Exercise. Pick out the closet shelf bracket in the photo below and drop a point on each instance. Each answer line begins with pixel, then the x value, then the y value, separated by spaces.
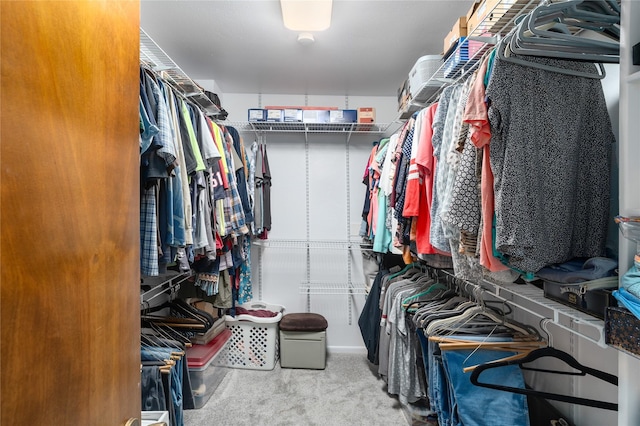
pixel 163 284
pixel 531 299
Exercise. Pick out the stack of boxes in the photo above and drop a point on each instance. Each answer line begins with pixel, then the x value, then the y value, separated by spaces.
pixel 482 19
pixel 456 47
pixel 315 115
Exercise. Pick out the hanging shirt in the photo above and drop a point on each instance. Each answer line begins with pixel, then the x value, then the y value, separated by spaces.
pixel 241 173
pixel 437 236
pixel 480 135
pixel 456 133
pixel 551 165
pixel 190 137
pixel 181 169
pixel 382 242
pixel 148 233
pixel 208 149
pixel 266 190
pixel 463 211
pixel 420 184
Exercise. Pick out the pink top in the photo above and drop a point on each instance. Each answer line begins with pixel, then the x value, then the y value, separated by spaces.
pixel 476 114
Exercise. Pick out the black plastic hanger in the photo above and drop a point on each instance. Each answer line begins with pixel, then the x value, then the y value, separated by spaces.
pixel 554 353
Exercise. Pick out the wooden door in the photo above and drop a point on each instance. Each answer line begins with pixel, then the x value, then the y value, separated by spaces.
pixel 69 213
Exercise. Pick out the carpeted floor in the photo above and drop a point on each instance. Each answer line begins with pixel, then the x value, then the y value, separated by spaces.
pixel 347 392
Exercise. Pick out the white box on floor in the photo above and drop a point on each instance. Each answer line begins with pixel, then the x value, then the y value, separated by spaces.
pixel 154 417
pixel 303 349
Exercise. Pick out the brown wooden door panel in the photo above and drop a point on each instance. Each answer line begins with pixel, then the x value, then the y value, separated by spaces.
pixel 70 215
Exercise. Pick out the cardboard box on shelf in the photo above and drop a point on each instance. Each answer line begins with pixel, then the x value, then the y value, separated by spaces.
pixel 403 92
pixel 256 114
pixel 315 116
pixel 489 13
pixel 472 9
pixel 343 116
pixel 301 107
pixel 459 30
pixel 292 115
pixel 366 115
pixel 275 115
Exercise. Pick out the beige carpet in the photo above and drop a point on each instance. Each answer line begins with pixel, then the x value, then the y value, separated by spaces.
pixel 347 392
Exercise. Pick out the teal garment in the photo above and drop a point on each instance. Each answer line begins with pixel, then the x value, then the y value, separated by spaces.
pixel 382 239
pixel 149 130
pixel 245 289
pixel 628 300
pixel 383 142
pixel 382 151
pixel 490 62
pixel 631 279
pixel 527 276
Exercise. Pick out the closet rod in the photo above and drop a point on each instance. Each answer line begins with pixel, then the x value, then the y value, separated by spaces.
pixel 531 300
pixel 170 285
pixel 190 98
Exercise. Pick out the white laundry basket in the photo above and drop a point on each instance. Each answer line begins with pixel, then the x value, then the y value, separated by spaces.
pixel 424 68
pixel 254 340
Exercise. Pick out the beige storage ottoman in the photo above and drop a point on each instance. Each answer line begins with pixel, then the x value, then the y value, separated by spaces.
pixel 303 341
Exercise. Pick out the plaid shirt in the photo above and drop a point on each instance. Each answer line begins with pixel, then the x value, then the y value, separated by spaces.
pixel 164 138
pixel 148 233
pixel 234 213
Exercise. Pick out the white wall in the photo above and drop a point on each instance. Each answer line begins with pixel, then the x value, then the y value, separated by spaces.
pixel 210 85
pixel 281 271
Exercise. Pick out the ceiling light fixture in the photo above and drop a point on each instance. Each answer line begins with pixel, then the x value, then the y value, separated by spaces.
pixel 306 38
pixel 306 15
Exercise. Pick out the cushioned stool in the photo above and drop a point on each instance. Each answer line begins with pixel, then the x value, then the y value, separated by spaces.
pixel 303 341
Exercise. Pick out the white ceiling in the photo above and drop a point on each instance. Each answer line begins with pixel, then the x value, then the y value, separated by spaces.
pixel 243 45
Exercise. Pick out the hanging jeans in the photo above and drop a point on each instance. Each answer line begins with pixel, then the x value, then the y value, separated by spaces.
pixel 150 353
pixel 478 406
pixel 153 398
pixel 437 388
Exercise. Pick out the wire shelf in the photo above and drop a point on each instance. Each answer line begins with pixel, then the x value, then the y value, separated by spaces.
pixel 312 244
pixel 532 300
pixel 155 58
pixel 464 58
pixel 332 288
pixel 328 128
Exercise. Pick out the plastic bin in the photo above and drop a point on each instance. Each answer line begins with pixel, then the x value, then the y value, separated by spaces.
pixel 154 417
pixel 254 342
pixel 205 375
pixel 422 71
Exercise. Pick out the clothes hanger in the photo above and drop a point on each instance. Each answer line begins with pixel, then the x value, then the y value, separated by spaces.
pixel 181 315
pixel 553 353
pixel 431 290
pixel 502 55
pixel 448 309
pixel 444 300
pixel 165 365
pixel 556 40
pixel 475 313
pixel 534 36
pixel 412 267
pixel 169 333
